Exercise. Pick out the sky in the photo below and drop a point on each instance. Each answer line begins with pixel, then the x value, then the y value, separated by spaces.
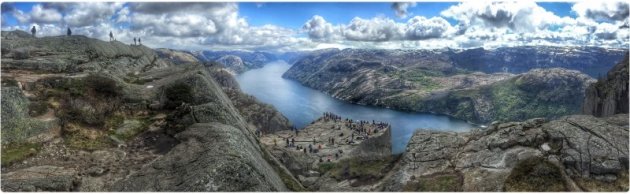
pixel 287 26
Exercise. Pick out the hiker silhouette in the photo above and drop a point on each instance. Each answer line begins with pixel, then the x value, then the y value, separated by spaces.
pixel 33 31
pixel 69 32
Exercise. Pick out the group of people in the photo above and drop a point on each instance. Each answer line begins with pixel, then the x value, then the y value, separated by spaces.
pixel 331 116
pixel 136 41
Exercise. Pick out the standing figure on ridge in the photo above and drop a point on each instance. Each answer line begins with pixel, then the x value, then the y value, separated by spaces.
pixel 134 40
pixel 69 32
pixel 33 31
pixel 111 36
pixel 139 41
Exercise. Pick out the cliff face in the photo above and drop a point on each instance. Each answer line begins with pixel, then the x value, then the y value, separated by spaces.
pixel 609 95
pixel 129 121
pixel 573 153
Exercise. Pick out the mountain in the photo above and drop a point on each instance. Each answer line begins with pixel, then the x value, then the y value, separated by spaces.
pixel 251 60
pixel 609 95
pixel 593 61
pixel 116 117
pixel 429 81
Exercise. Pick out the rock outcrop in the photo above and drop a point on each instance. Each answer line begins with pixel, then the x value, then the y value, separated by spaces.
pixel 572 153
pixel 169 121
pixel 233 63
pixel 211 157
pixel 609 95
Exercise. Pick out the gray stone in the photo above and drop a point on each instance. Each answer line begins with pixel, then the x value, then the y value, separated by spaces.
pixel 39 178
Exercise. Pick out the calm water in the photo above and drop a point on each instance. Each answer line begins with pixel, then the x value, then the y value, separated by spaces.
pixel 301 105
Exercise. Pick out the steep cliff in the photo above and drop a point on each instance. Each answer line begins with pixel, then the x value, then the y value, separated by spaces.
pixel 573 153
pixel 609 95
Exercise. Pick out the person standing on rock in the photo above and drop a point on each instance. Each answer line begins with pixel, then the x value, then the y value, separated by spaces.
pixel 111 36
pixel 33 31
pixel 69 32
pixel 139 41
pixel 288 145
pixel 134 40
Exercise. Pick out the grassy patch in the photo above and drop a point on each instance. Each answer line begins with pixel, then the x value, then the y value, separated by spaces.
pixel 37 108
pixel 535 175
pixel 436 183
pixel 366 171
pixel 81 140
pixel 325 167
pixel 177 94
pixel 17 152
pixel 591 185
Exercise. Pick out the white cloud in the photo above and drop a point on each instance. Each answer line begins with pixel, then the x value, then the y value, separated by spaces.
pixel 42 15
pixel 92 13
pixel 602 10
pixel 401 8
pixel 319 29
pixel 375 29
pixel 420 28
pixel 519 16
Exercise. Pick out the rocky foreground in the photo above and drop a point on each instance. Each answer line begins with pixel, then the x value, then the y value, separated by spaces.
pixel 573 153
pixel 89 115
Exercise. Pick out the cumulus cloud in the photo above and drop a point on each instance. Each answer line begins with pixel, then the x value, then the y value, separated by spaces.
pixel 420 28
pixel 602 10
pixel 401 8
pixel 319 29
pixel 93 13
pixel 375 29
pixel 519 16
pixel 42 15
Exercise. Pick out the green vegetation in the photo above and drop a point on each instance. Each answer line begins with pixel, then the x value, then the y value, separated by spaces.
pixel 365 171
pixel 512 103
pixel 178 94
pixel 8 82
pixel 535 175
pixel 436 183
pixel 37 108
pixel 325 167
pixel 17 152
pixel 591 185
pixel 81 140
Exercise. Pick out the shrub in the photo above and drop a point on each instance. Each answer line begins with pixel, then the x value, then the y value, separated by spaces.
pixel 535 175
pixel 177 94
pixel 17 152
pixel 37 108
pixel 105 86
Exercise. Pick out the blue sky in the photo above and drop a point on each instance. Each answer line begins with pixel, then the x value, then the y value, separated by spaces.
pixel 313 25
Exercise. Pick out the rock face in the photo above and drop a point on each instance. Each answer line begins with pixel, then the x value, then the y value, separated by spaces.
pixel 211 157
pixel 208 145
pixel 429 81
pixel 233 63
pixel 582 148
pixel 70 54
pixel 610 94
pixel 250 60
pixel 39 178
pixel 217 151
pixel 263 116
pixel 17 125
pixel 176 56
